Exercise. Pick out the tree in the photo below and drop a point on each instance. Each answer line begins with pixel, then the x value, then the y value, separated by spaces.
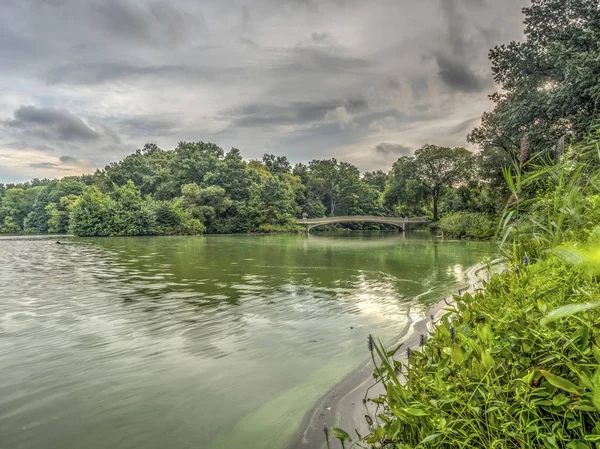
pixel 58 214
pixel 93 214
pixel 193 161
pixel 277 197
pixel 439 168
pixel 231 174
pixel 209 205
pixel 549 81
pixel 276 165
pixel 148 168
pixel 403 194
pixel 376 179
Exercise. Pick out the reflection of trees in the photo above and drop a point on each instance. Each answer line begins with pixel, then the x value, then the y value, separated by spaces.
pixel 190 279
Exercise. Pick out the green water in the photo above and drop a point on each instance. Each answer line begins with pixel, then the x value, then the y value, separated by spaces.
pixel 198 342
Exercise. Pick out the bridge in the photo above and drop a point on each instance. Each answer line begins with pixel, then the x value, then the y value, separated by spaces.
pixel 403 223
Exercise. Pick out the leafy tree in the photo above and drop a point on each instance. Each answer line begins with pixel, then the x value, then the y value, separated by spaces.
pixel 193 161
pixel 276 165
pixel 147 168
pixel 207 205
pixel 277 197
pixel 259 171
pixel 334 183
pixel 231 174
pixel 58 214
pixel 376 179
pixel 93 214
pixel 403 194
pixel 439 168
pixel 549 82
pixel 16 204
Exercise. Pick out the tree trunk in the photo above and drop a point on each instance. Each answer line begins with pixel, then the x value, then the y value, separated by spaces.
pixel 332 204
pixel 435 206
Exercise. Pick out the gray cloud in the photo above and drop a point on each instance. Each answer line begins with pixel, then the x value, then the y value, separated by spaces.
pixel 156 22
pixel 302 78
pixel 101 72
pixel 147 125
pixel 301 112
pixel 395 149
pixel 465 126
pixel 51 123
pixel 69 159
pixel 458 55
pixel 43 165
pixel 457 74
pixel 316 59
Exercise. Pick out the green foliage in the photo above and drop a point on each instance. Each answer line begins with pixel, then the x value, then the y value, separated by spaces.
pixel 93 214
pixel 58 214
pixel 428 175
pixel 510 366
pixel 468 225
pixel 549 81
pixel 198 187
pixel 551 203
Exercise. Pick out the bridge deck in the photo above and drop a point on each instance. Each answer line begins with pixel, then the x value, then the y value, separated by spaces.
pixel 361 218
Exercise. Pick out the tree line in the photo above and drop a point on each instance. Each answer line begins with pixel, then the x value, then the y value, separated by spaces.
pixel 198 187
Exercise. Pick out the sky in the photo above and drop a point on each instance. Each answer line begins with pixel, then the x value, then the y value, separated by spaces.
pixel 85 82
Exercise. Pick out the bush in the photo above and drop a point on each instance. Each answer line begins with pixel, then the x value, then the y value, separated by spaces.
pixel 510 367
pixel 267 228
pixel 467 225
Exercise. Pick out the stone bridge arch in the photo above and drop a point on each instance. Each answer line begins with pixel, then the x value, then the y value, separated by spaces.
pixel 400 222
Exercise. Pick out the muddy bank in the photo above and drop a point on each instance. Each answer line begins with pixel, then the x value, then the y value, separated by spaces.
pixel 344 406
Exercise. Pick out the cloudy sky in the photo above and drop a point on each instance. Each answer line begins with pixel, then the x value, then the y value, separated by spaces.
pixel 85 82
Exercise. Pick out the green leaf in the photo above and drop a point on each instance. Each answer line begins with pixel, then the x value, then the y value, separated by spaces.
pixel 584 406
pixel 340 434
pixel 577 445
pixel 416 411
pixel 592 437
pixel 456 354
pixel 596 351
pixel 376 436
pixel 560 399
pixel 596 398
pixel 568 310
pixel 584 338
pixel 487 360
pixel 429 438
pixel 560 382
pixel 528 378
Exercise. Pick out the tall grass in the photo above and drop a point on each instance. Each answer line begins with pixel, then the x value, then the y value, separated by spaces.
pixel 551 202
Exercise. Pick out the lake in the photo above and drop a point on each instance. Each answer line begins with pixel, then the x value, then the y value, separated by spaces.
pixel 199 342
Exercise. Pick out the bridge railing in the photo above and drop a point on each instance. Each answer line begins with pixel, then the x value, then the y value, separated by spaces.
pixel 363 217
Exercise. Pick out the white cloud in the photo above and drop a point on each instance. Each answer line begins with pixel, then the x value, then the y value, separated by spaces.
pixel 339 115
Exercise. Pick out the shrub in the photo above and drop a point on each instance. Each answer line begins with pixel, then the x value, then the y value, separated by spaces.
pixel 508 367
pixel 467 225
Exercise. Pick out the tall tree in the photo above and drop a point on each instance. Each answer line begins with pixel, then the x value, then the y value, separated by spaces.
pixel 376 179
pixel 277 165
pixel 439 168
pixel 549 81
pixel 403 194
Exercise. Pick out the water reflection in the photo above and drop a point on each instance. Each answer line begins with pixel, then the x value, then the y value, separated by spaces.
pixel 177 342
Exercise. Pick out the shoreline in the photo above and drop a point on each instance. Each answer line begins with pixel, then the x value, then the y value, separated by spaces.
pixel 343 406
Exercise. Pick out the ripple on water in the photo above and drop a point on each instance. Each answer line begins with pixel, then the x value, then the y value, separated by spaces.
pixel 153 343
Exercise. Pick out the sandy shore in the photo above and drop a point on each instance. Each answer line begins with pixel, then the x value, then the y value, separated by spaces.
pixel 343 405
